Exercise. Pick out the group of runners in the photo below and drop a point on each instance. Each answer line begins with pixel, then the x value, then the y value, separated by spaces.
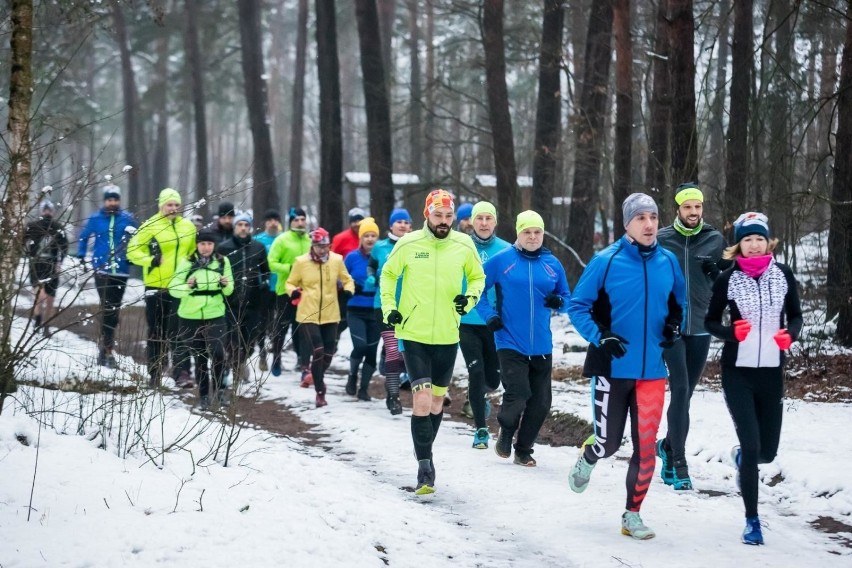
pixel 647 304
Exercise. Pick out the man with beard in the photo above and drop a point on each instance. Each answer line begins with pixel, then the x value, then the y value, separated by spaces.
pixel 288 246
pixel 251 271
pixel 160 244
pixel 46 245
pixel 698 248
pixel 111 228
pixel 223 226
pixel 433 263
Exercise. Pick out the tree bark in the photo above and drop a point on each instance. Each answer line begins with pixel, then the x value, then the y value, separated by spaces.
pixel 264 187
pixel 623 110
pixel 684 135
pixel 548 118
pixel 736 170
pixel 15 200
pixel 378 111
pixel 196 75
pixel 657 174
pixel 415 138
pixel 294 196
pixel 160 169
pixel 713 185
pixel 498 112
pixel 589 126
pixel 331 148
pixel 839 276
pixel 386 12
pixel 429 125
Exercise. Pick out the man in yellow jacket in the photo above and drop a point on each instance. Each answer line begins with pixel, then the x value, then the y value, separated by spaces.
pixel 433 263
pixel 312 285
pixel 159 246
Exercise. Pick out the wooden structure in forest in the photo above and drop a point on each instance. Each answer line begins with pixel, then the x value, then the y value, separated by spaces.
pixel 356 190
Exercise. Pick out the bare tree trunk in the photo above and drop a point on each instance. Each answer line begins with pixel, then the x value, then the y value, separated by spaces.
pixel 331 149
pixel 657 174
pixel 264 192
pixel 294 196
pixel 429 126
pixel 498 111
pixel 415 139
pixel 742 56
pixel 196 70
pixel 684 135
pixel 623 110
pixel 378 111
pixel 15 199
pixel 160 170
pixel 713 184
pixel 839 276
pixel 548 119
pixel 387 15
pixel 589 127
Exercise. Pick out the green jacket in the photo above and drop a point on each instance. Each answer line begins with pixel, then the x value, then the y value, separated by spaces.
pixel 433 272
pixel 282 254
pixel 206 300
pixel 175 240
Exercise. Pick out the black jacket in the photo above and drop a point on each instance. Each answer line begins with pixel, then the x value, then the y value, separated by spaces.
pixel 45 241
pixel 699 257
pixel 250 268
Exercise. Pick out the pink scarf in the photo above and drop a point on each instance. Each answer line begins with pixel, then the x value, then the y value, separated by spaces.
pixel 755 265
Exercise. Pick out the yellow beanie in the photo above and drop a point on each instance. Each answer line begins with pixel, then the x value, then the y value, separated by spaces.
pixel 368 225
pixel 167 195
pixel 529 219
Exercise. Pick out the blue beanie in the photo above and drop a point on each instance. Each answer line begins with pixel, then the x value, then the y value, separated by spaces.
pixel 464 211
pixel 243 217
pixel 399 214
pixel 751 223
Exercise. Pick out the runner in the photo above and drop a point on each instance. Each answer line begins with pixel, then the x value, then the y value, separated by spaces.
pixel 393 364
pixel 698 248
pixel 160 244
pixel 288 246
pixel 476 340
pixel 530 282
pixel 272 228
pixel 627 305
pixel 46 245
pixel 201 283
pixel 112 227
pixel 364 328
pixel 312 284
pixel 433 263
pixel 223 224
pixel 463 218
pixel 766 317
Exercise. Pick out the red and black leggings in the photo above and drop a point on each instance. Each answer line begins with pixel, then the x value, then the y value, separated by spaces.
pixel 613 399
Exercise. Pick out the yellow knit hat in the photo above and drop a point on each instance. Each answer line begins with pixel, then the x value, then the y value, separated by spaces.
pixel 167 195
pixel 368 225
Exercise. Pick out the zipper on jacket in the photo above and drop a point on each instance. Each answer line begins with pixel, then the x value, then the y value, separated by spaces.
pixel 759 321
pixel 532 306
pixel 177 246
pixel 686 277
pixel 319 314
pixel 110 236
pixel 645 326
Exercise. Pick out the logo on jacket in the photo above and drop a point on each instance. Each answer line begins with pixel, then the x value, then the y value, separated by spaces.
pixel 421 254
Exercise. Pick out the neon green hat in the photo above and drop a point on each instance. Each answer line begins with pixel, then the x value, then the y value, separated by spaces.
pixel 528 219
pixel 167 195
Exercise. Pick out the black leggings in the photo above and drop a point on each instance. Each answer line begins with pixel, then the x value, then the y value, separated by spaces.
pixel 321 339
pixel 755 400
pixel 685 362
pixel 364 329
pixel 245 327
pixel 207 344
pixel 430 364
pixel 285 318
pixel 527 396
pixel 164 333
pixel 111 292
pixel 483 367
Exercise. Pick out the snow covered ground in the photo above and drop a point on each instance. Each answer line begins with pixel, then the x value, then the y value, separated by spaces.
pixel 348 502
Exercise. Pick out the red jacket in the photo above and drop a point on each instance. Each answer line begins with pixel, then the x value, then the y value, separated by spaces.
pixel 345 242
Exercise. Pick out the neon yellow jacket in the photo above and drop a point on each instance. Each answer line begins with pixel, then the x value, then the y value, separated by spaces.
pixel 318 282
pixel 176 241
pixel 206 300
pixel 282 254
pixel 433 271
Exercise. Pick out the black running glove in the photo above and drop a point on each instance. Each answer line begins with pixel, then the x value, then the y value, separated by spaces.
pixel 394 317
pixel 613 345
pixel 553 301
pixel 494 323
pixel 671 333
pixel 461 303
pixel 156 260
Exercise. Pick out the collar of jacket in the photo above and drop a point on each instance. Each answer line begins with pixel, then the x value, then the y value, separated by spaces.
pixel 639 251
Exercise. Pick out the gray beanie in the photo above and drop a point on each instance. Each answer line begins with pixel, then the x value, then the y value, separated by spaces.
pixel 637 203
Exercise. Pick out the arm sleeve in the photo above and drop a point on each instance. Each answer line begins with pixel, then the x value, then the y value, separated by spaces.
pixel 718 301
pixel 229 274
pixel 276 256
pixel 792 306
pixel 137 248
pixel 83 239
pixel 346 278
pixel 295 278
pixel 390 274
pixel 584 296
pixel 562 287
pixel 484 308
pixel 475 277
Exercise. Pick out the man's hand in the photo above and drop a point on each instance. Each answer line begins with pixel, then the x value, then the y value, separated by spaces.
pixel 461 302
pixel 553 301
pixel 494 323
pixel 223 281
pixel 346 295
pixel 394 317
pixel 671 333
pixel 613 345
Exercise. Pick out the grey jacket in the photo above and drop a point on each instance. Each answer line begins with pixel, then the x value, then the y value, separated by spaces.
pixel 699 258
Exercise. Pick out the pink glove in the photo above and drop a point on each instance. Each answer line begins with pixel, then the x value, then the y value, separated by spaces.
pixel 783 339
pixel 741 329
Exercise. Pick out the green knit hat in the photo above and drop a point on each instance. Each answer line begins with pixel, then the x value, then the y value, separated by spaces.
pixel 167 195
pixel 483 207
pixel 528 219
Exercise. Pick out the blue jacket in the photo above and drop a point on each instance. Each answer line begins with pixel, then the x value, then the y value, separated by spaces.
pixel 356 263
pixel 486 251
pixel 634 295
pixel 266 240
pixel 521 282
pixel 378 257
pixel 110 230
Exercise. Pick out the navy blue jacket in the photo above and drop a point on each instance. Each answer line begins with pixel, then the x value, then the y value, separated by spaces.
pixel 356 263
pixel 632 294
pixel 521 282
pixel 111 231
